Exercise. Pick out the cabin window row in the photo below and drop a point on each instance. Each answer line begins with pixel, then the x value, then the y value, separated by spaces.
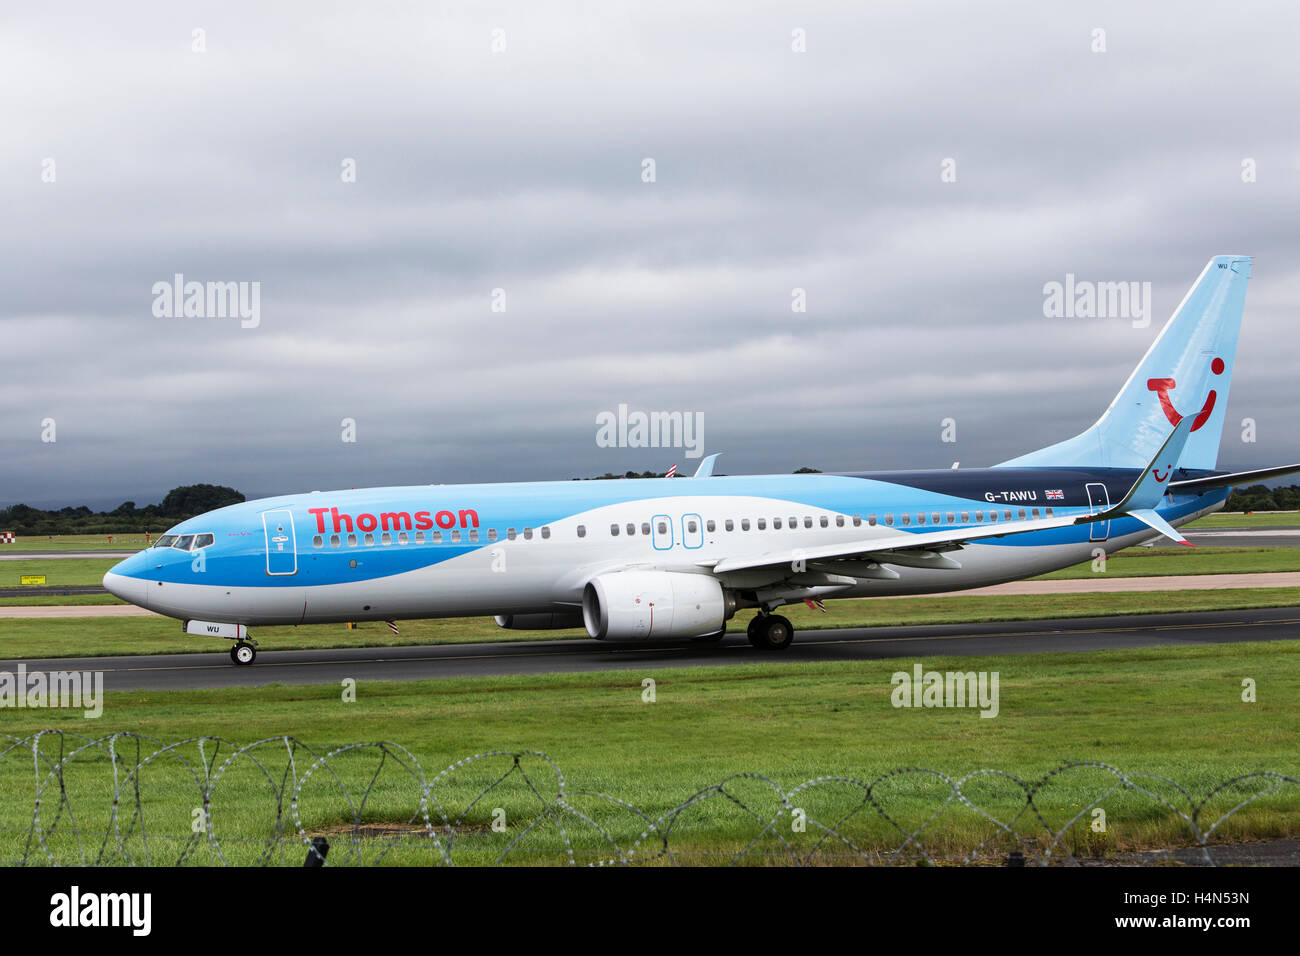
pixel 455 536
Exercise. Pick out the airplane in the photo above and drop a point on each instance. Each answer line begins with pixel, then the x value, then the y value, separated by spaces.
pixel 649 559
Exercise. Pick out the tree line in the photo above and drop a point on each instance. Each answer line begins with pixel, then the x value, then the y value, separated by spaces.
pixel 177 505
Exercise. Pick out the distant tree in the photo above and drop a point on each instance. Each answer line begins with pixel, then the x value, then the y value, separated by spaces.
pixel 188 500
pixel 807 471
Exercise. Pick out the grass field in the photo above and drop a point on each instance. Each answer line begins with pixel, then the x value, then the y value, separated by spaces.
pixel 1254 519
pixel 97 636
pixel 1172 711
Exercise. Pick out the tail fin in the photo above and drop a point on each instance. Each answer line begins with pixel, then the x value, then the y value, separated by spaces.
pixel 1187 370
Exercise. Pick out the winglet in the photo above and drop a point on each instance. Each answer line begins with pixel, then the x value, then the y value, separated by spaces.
pixel 706 467
pixel 1153 520
pixel 1150 489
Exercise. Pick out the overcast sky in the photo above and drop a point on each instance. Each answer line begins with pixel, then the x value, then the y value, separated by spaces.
pixel 521 169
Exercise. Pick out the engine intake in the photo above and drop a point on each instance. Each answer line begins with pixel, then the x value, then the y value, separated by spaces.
pixel 642 605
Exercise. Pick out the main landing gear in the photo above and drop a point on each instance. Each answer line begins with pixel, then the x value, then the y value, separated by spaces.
pixel 771 632
pixel 244 652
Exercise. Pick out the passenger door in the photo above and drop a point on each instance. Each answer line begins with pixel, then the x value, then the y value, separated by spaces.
pixel 1098 501
pixel 281 543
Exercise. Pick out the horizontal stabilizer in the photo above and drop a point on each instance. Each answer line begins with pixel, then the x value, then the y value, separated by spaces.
pixel 1236 479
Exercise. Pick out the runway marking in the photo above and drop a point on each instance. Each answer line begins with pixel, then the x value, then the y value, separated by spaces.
pixel 561 653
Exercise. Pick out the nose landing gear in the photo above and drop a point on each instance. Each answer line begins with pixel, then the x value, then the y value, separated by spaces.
pixel 243 652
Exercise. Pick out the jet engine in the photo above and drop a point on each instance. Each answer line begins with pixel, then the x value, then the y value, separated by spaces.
pixel 642 605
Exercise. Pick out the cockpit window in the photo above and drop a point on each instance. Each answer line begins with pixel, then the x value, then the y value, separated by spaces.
pixel 202 541
pixel 184 542
pixel 165 541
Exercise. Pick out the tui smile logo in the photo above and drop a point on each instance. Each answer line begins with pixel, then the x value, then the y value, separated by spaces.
pixel 1161 387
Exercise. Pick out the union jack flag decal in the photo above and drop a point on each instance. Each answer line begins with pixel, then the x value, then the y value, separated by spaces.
pixel 1055 494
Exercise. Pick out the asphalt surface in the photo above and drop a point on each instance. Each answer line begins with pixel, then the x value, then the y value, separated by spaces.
pixel 1246 538
pixel 200 671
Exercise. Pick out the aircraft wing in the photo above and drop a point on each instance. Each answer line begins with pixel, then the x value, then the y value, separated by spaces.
pixel 905 548
pixel 881 548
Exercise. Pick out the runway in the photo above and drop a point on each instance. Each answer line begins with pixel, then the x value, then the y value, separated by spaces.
pixel 203 671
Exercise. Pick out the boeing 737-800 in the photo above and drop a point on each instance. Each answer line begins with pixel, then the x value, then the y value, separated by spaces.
pixel 654 558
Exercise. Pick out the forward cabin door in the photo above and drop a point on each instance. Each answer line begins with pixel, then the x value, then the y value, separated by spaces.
pixel 1098 501
pixel 281 544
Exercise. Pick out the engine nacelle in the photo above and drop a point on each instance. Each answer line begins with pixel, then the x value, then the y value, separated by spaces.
pixel 642 605
pixel 547 621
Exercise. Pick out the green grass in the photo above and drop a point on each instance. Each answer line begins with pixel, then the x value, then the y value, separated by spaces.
pixel 76 542
pixel 1172 711
pixel 97 636
pixel 61 572
pixel 1254 519
pixel 1146 562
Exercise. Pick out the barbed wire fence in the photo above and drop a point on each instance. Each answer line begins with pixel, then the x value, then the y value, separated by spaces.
pixel 127 799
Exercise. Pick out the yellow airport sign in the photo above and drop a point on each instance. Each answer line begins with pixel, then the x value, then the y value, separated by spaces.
pixel 32 578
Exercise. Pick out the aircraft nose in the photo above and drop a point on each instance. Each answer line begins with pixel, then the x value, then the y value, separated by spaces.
pixel 129 589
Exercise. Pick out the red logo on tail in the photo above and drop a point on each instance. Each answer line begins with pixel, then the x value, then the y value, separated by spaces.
pixel 1161 387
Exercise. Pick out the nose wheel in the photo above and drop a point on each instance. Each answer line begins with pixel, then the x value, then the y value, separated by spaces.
pixel 770 632
pixel 243 653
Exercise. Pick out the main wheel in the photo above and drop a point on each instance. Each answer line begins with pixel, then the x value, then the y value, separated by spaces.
pixel 774 633
pixel 243 653
pixel 754 629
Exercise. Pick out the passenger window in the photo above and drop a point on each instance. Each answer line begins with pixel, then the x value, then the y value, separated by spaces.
pixel 455 537
pixel 776 524
pixel 762 524
pixel 631 528
pixel 691 526
pixel 993 516
pixel 889 520
pixel 1006 516
pixel 436 537
pixel 807 521
pixel 920 518
pixel 744 524
pixel 546 532
pixel 935 517
pixel 352 541
pixel 907 518
pixel 710 527
pixel 965 517
pixel 385 538
pixel 857 521
pixel 510 534
pixel 645 527
pixel 794 522
pixel 1050 512
pixel 334 541
pixel 582 531
pixel 979 516
pixel 528 534
pixel 1022 514
pixel 1035 512
pixel 871 520
pixel 318 542
pixel 419 537
pixel 663 527
pixel 730 525
pixel 370 540
pixel 951 518
pixel 492 534
pixel 613 531
pixel 839 521
pixel 403 538
pixel 473 535
pixel 823 521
